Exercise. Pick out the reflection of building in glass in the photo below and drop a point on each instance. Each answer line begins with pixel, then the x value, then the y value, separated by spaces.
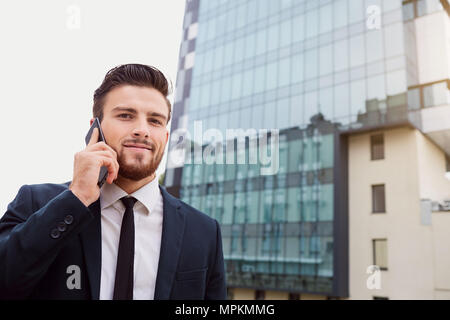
pixel 337 78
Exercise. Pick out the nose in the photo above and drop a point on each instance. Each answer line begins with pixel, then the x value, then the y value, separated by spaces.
pixel 141 130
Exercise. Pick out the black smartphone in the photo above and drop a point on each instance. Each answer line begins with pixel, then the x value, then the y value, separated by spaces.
pixel 103 170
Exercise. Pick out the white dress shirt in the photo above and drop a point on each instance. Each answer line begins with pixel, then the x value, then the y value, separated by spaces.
pixel 148 217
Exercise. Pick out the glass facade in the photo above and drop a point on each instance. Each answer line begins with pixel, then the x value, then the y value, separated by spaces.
pixel 275 226
pixel 285 61
pixel 313 69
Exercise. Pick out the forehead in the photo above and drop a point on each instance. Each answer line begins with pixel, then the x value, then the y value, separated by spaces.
pixel 143 99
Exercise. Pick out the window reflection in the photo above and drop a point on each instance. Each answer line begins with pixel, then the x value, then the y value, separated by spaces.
pixel 296 117
pixel 297 68
pixel 395 82
pixel 311 67
pixel 311 105
pixel 326 102
pixel 340 13
pixel 436 94
pixel 325 60
pixel 341 55
pixel 357 11
pixel 376 88
pixel 374 45
pixel 312 23
pixel 358 97
pixel 299 23
pixel 341 98
pixel 414 99
pixel 393 38
pixel 357 51
pixel 326 18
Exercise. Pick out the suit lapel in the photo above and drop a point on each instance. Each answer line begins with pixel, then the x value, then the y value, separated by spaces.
pixel 171 242
pixel 91 240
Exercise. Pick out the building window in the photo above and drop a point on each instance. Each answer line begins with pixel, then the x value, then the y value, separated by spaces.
pixel 380 253
pixel 230 294
pixel 378 199
pixel 377 147
pixel 294 296
pixel 417 8
pixel 429 94
pixel 260 294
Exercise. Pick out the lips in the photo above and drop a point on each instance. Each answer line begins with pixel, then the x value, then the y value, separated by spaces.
pixel 138 146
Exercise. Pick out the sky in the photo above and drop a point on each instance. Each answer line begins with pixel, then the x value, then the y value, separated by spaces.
pixel 54 54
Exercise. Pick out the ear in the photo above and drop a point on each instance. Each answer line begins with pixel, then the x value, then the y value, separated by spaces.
pixel 91 122
pixel 167 136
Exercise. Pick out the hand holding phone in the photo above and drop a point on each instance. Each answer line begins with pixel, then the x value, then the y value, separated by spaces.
pixel 103 170
pixel 93 166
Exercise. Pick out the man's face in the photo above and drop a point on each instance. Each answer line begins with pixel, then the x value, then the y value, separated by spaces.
pixel 134 125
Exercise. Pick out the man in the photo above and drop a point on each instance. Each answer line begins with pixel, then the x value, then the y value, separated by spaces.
pixel 128 240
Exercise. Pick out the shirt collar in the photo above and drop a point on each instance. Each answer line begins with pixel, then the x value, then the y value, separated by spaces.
pixel 147 195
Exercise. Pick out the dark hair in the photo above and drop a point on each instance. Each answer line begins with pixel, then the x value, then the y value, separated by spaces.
pixel 131 74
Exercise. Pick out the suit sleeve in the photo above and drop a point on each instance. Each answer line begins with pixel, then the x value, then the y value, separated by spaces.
pixel 216 286
pixel 30 240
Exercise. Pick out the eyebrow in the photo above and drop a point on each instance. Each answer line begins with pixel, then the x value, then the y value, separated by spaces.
pixel 133 111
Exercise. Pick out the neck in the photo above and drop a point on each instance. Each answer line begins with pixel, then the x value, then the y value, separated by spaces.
pixel 130 186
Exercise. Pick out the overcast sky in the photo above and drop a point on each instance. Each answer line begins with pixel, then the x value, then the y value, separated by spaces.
pixel 54 54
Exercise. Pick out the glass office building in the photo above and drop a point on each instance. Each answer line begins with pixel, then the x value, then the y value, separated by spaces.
pixel 316 70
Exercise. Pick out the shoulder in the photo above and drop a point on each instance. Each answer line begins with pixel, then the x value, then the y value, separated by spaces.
pixel 41 192
pixel 43 189
pixel 32 197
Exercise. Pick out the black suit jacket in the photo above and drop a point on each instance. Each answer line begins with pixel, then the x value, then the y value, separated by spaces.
pixel 47 230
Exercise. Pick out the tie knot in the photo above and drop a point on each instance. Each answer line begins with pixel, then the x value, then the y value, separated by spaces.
pixel 128 202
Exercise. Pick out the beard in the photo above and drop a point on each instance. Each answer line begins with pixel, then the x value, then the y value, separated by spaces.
pixel 141 170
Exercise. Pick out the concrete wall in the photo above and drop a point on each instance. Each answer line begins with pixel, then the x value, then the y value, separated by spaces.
pixel 432 32
pixel 441 253
pixel 410 258
pixel 431 169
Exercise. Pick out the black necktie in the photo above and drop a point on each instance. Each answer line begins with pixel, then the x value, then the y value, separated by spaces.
pixel 123 287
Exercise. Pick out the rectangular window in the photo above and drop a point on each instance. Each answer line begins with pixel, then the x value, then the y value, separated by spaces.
pixel 378 199
pixel 230 294
pixel 294 296
pixel 314 244
pixel 340 13
pixel 380 253
pixel 414 100
pixel 260 294
pixel 377 147
pixel 436 94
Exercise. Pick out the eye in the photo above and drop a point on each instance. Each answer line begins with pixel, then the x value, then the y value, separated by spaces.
pixel 125 115
pixel 155 121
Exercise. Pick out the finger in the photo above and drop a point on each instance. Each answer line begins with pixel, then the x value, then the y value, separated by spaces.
pixel 113 155
pixel 108 154
pixel 101 145
pixel 109 164
pixel 94 137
